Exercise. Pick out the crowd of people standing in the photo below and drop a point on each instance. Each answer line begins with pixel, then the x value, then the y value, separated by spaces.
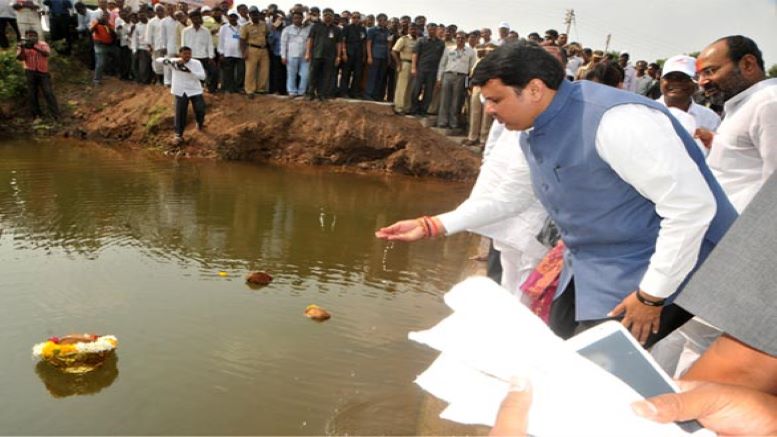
pixel 422 68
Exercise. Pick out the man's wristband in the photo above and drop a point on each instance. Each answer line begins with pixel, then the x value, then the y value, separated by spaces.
pixel 651 303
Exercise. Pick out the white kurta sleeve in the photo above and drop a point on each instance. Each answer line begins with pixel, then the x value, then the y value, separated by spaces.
pixel 641 146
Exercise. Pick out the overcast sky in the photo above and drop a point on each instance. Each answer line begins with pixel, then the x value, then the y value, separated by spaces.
pixel 647 29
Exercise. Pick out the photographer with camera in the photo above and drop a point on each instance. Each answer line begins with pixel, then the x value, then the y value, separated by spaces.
pixel 187 73
pixel 34 54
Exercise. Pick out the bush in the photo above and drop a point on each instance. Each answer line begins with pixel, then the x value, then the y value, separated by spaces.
pixel 13 81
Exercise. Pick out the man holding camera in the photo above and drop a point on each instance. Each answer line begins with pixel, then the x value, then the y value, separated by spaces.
pixel 187 73
pixel 34 54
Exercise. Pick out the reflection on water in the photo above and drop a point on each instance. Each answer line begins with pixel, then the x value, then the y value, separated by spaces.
pixel 61 385
pixel 96 241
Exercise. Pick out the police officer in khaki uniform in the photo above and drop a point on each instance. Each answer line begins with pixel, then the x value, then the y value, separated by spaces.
pixel 253 42
pixel 403 57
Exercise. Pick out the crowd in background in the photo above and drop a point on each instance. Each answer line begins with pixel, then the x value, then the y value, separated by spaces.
pixel 421 67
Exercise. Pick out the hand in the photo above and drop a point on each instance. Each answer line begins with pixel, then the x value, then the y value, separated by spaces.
pixel 513 416
pixel 413 71
pixel 724 409
pixel 308 57
pixel 399 67
pixel 369 60
pixel 438 84
pixel 284 61
pixel 640 319
pixel 405 230
pixel 705 135
pixel 344 58
pixel 337 61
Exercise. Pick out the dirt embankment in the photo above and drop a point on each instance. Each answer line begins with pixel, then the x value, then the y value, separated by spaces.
pixel 350 135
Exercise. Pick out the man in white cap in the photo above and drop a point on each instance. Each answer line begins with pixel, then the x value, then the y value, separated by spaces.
pixel 678 87
pixel 504 31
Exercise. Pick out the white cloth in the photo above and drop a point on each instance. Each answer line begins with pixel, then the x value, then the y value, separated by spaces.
pixel 84 21
pixel 186 82
pixel 490 338
pixel 6 11
pixel 293 41
pixel 573 63
pixel 199 40
pixel 629 74
pixel 689 123
pixel 744 150
pixel 170 35
pixel 229 41
pixel 705 118
pixel 504 180
pixel 29 19
pixel 640 144
pixel 122 31
pixel 155 36
pixel 138 37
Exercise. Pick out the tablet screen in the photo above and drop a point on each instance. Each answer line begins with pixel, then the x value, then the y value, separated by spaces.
pixel 617 355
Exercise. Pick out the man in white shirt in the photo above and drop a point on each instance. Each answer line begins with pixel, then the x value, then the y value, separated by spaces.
pixel 171 39
pixel 124 52
pixel 627 186
pixel 155 38
pixel 504 32
pixel 744 149
pixel 187 73
pixel 232 63
pixel 293 44
pixel 629 73
pixel 141 58
pixel 678 88
pixel 455 65
pixel 198 38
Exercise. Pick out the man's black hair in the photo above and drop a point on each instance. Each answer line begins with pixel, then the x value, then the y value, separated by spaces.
pixel 184 48
pixel 517 63
pixel 328 11
pixel 606 73
pixel 552 32
pixel 534 34
pixel 382 15
pixel 654 65
pixel 625 55
pixel 739 46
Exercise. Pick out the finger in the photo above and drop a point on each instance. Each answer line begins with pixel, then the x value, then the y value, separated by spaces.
pixel 675 407
pixel 656 325
pixel 618 310
pixel 513 416
pixel 626 322
pixel 637 332
pixel 688 385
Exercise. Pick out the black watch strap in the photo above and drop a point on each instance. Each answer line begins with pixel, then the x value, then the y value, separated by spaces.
pixel 651 303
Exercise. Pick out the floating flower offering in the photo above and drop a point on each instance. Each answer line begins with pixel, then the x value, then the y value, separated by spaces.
pixel 315 312
pixel 76 353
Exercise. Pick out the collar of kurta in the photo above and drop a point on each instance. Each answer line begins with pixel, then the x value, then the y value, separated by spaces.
pixel 556 105
pixel 738 100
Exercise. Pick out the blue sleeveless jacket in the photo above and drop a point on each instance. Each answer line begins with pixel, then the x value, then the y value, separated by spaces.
pixel 609 228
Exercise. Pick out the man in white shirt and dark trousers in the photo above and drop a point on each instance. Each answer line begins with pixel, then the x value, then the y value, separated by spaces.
pixel 199 39
pixel 455 65
pixel 233 68
pixel 627 186
pixel 187 73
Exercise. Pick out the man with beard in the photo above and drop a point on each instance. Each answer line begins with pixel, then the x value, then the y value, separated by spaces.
pixel 744 149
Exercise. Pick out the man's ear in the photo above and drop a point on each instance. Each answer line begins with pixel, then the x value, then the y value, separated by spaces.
pixel 749 64
pixel 536 89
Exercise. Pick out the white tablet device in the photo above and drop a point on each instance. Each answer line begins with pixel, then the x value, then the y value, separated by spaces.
pixel 614 349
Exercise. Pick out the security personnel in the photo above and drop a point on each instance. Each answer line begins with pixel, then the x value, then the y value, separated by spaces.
pixel 253 43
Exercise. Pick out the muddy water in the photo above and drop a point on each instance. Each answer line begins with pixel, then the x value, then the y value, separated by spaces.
pixel 155 252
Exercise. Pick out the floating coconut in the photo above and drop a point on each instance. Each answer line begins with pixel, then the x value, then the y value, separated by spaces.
pixel 76 353
pixel 259 278
pixel 317 313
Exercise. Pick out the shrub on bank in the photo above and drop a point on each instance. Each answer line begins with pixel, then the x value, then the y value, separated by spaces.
pixel 13 82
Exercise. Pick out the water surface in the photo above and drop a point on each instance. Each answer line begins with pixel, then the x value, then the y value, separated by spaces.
pixel 95 240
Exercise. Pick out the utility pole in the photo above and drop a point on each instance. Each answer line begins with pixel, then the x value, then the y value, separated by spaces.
pixel 569 18
pixel 607 44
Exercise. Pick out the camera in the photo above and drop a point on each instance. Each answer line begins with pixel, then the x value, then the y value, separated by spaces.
pixel 167 62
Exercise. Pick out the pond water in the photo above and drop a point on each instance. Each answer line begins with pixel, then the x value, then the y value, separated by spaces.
pixel 156 251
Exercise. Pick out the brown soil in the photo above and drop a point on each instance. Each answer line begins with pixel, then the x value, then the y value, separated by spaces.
pixel 356 136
